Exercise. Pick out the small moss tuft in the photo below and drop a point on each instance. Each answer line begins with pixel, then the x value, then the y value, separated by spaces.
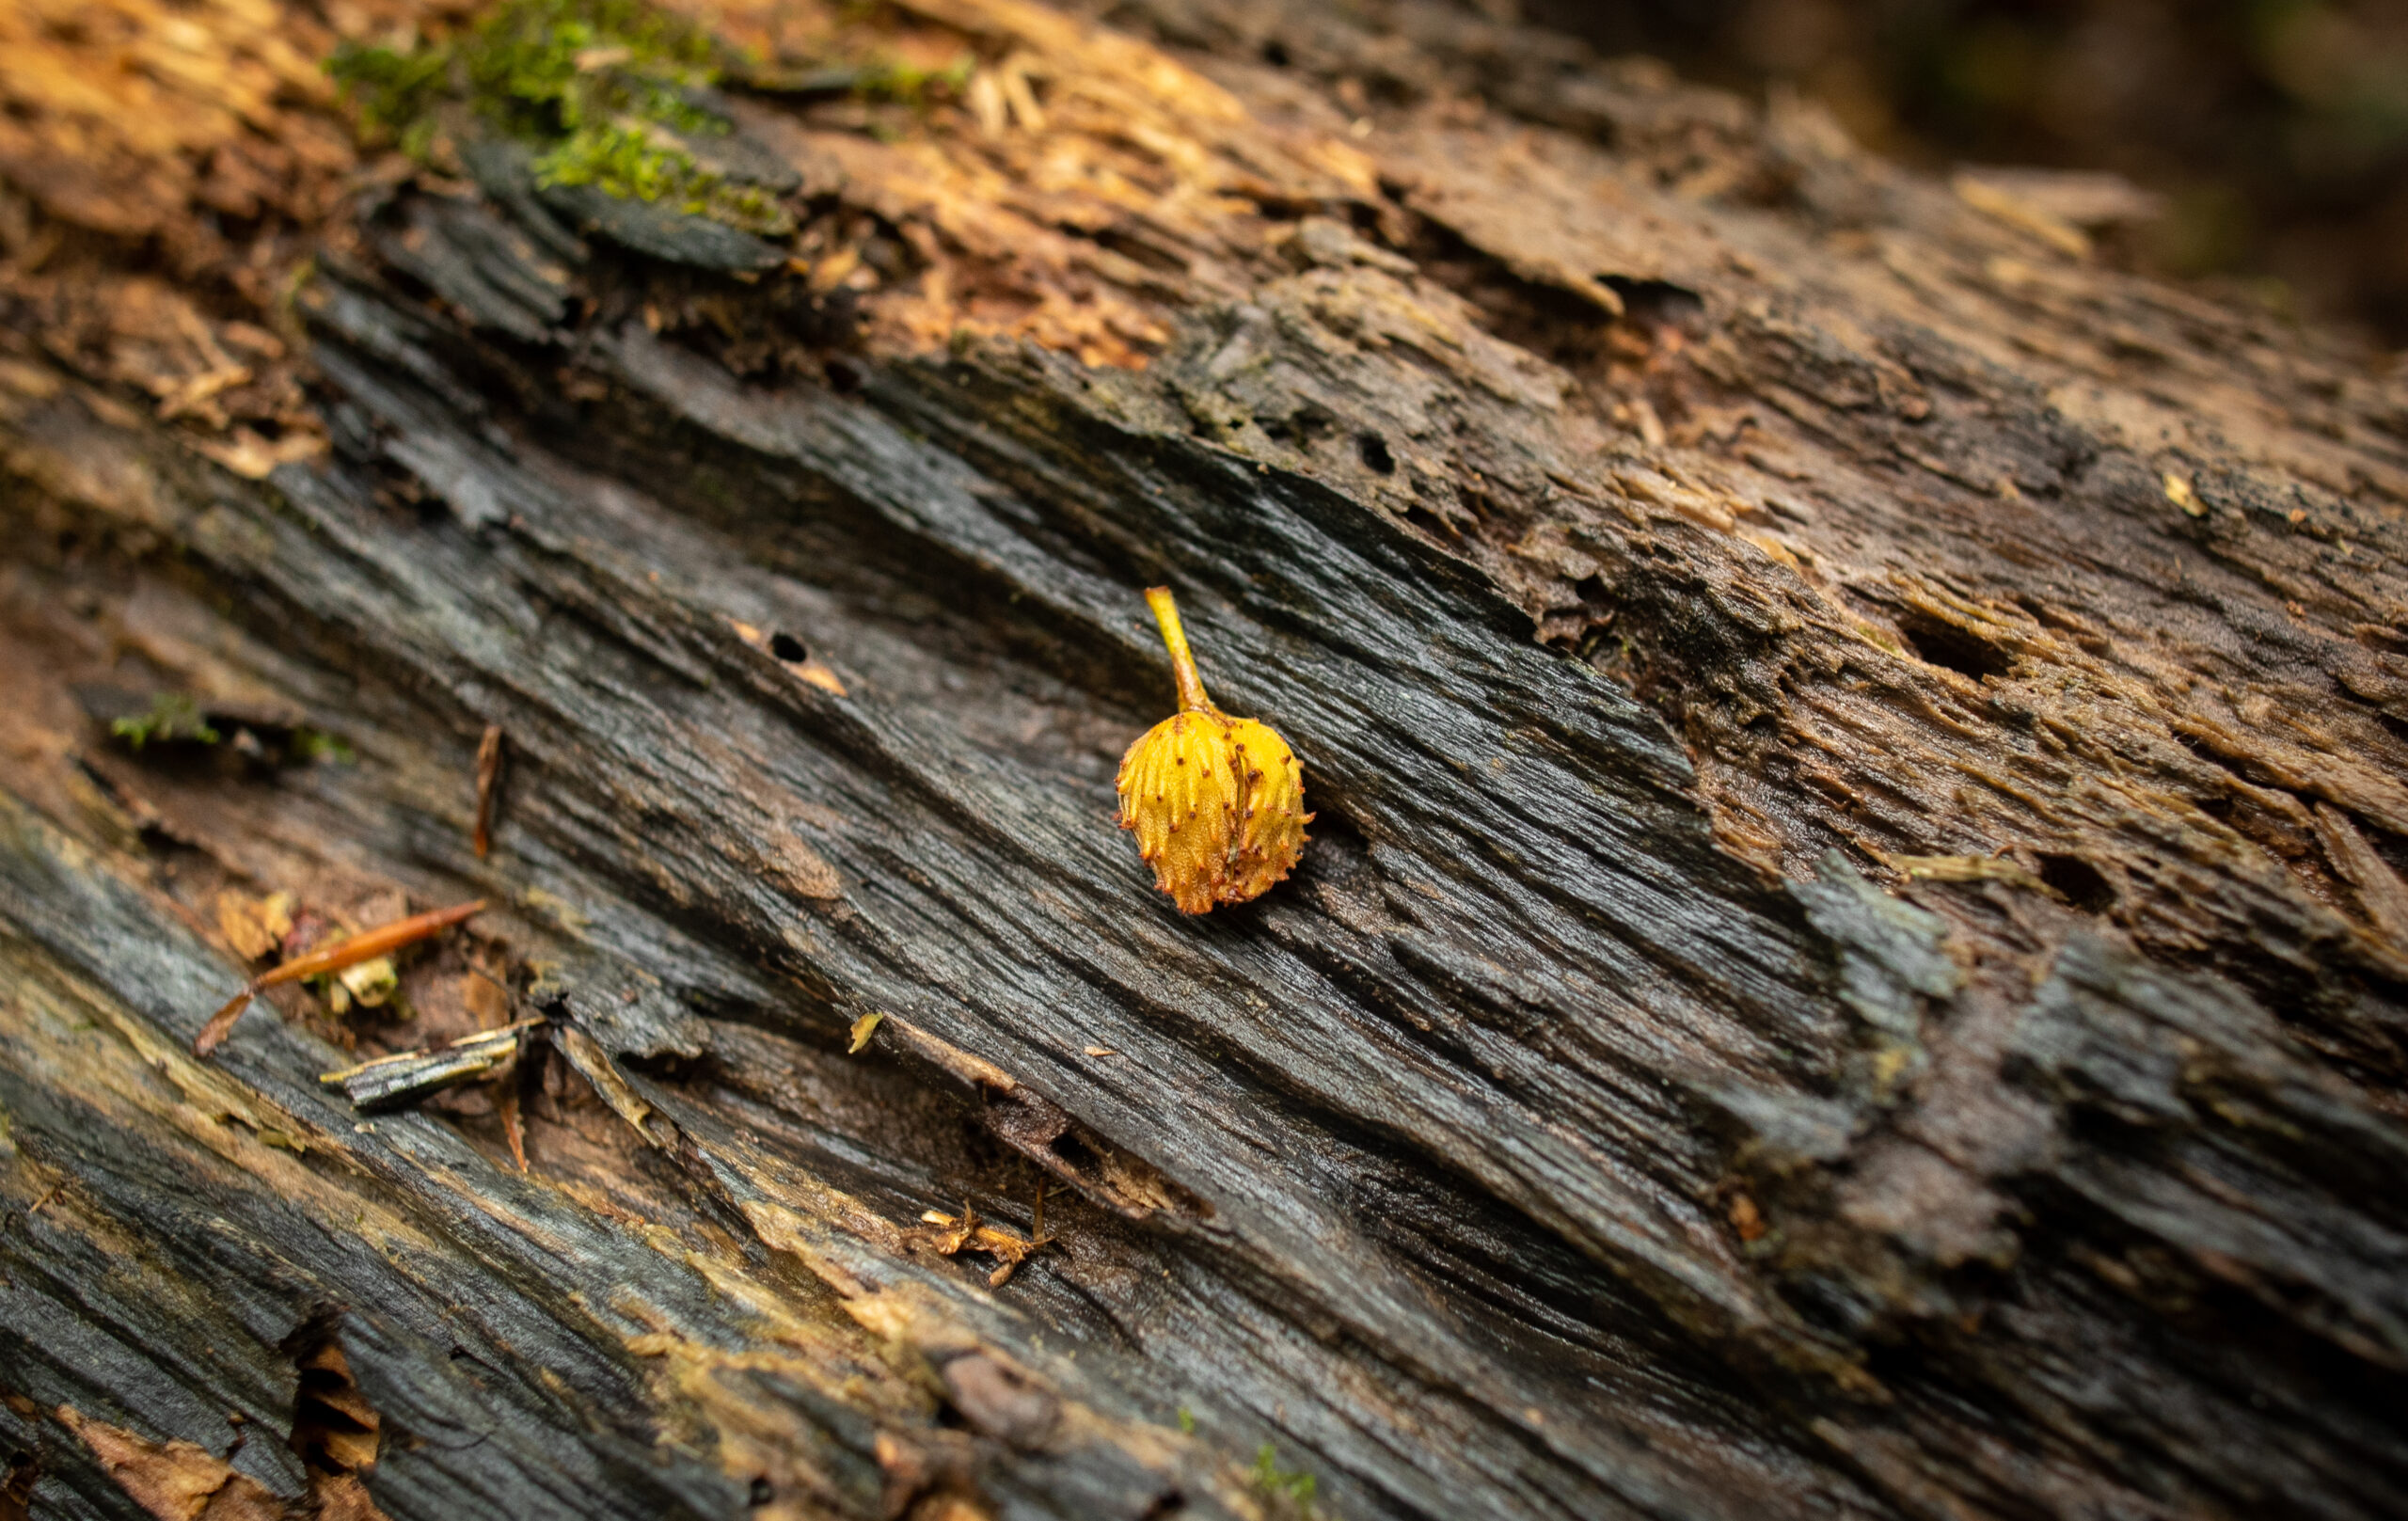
pixel 1275 1485
pixel 891 79
pixel 171 717
pixel 311 745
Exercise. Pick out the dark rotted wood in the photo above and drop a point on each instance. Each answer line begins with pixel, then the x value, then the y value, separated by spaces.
pixel 1783 1013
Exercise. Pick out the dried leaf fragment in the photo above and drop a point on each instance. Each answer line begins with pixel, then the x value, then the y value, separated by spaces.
pixel 254 926
pixel 1217 803
pixel 862 1029
pixel 256 458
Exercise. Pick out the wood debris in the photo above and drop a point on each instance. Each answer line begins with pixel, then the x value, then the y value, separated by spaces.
pixel 967 1232
pixel 586 1054
pixel 406 1077
pixel 486 999
pixel 1963 870
pixel 172 1478
pixel 2023 211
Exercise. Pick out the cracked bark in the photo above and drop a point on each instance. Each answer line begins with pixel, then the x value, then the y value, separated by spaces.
pixel 1849 963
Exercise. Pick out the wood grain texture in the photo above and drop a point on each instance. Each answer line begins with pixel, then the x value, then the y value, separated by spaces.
pixel 1846 964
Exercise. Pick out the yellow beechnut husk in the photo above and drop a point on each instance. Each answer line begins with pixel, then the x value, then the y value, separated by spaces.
pixel 1217 803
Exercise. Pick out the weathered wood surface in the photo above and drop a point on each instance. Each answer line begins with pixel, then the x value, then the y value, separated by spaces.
pixel 1851 961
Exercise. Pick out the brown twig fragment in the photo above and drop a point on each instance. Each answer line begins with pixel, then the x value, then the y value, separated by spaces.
pixel 358 948
pixel 488 773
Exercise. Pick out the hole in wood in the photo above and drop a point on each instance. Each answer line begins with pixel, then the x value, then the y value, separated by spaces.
pixel 1374 452
pixel 2077 881
pixel 17 1489
pixel 1579 624
pixel 1303 427
pixel 1954 648
pixel 788 648
pixel 1431 524
pixel 1657 303
pixel 1077 1154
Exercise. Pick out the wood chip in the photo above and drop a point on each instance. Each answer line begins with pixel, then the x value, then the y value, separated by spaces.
pixel 2178 492
pixel 967 1232
pixel 586 1054
pixel 407 1077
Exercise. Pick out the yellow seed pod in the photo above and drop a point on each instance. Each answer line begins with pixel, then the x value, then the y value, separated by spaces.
pixel 1217 803
pixel 1271 809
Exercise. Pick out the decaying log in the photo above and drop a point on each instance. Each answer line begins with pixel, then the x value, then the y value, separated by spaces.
pixel 1851 960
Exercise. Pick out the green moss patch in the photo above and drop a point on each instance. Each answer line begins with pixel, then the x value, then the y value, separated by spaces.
pixel 171 719
pixel 610 93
